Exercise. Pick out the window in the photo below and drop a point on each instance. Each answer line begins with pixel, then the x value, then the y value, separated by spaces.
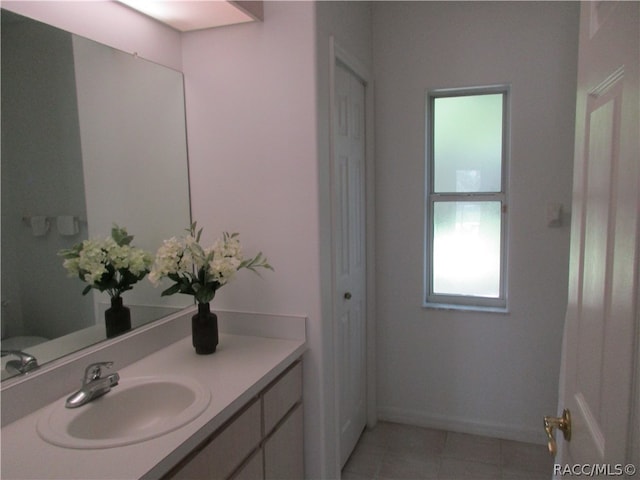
pixel 467 132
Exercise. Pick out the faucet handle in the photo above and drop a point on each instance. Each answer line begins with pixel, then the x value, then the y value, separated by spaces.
pixel 94 371
pixel 25 363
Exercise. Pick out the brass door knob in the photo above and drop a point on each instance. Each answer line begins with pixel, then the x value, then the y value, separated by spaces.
pixel 561 423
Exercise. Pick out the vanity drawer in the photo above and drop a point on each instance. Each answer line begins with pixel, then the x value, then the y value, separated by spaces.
pixel 281 396
pixel 224 452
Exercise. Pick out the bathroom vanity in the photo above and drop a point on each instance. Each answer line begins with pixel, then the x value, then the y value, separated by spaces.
pixel 263 440
pixel 251 427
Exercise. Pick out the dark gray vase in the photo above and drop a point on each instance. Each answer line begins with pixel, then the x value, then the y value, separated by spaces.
pixel 117 318
pixel 204 330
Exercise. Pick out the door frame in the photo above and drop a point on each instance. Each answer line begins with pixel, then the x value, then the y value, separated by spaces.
pixel 339 54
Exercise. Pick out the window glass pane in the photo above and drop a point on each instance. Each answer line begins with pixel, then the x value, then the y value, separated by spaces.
pixel 466 248
pixel 467 149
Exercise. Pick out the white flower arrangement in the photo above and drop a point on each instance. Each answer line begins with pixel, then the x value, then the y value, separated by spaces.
pixel 201 271
pixel 111 264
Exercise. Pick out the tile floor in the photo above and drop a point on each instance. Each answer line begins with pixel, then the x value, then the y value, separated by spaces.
pixel 392 451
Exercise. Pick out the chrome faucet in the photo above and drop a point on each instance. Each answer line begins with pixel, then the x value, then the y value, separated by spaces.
pixel 25 363
pixel 94 385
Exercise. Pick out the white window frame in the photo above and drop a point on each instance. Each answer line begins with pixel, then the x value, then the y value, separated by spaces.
pixel 452 301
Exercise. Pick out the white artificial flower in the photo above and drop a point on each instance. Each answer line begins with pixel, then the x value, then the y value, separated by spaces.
pixel 104 263
pixel 72 266
pixel 167 259
pixel 201 271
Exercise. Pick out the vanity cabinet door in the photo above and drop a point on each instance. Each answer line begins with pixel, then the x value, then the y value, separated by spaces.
pixel 227 449
pixel 283 450
pixel 252 470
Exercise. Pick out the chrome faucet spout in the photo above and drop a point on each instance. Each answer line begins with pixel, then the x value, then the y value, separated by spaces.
pixel 94 385
pixel 25 363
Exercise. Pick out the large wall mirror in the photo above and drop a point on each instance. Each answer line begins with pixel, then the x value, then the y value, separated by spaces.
pixel 91 136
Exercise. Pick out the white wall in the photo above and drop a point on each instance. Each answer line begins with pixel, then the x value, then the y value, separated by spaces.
pixel 251 120
pixel 251 115
pixel 258 119
pixel 493 374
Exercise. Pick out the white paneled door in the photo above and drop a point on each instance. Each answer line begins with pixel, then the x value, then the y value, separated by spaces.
pixel 348 183
pixel 600 331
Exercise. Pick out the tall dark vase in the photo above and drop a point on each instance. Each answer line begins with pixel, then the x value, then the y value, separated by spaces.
pixel 117 318
pixel 204 330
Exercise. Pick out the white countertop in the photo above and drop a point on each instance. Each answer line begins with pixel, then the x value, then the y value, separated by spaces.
pixel 239 369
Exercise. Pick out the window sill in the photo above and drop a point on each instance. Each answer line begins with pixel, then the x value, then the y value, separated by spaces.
pixel 465 308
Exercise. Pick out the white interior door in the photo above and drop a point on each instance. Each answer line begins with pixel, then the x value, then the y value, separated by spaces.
pixel 600 330
pixel 349 255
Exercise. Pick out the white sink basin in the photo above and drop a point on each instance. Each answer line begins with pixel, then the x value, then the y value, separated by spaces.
pixel 135 410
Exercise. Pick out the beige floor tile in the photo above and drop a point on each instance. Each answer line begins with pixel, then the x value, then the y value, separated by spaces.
pixel 472 447
pixel 393 451
pixel 456 469
pixel 374 439
pixel 526 456
pixel 516 474
pixel 400 466
pixel 364 462
pixel 418 440
pixel 355 476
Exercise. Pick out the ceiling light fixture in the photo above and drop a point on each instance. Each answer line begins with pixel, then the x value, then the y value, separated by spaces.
pixel 191 15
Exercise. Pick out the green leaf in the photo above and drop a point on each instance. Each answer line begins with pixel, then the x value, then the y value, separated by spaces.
pixel 259 261
pixel 68 253
pixel 174 276
pixel 192 231
pixel 120 235
pixel 73 252
pixel 87 289
pixel 171 290
pixel 205 295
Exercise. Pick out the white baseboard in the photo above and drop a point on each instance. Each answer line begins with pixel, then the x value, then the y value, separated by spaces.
pixel 463 425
